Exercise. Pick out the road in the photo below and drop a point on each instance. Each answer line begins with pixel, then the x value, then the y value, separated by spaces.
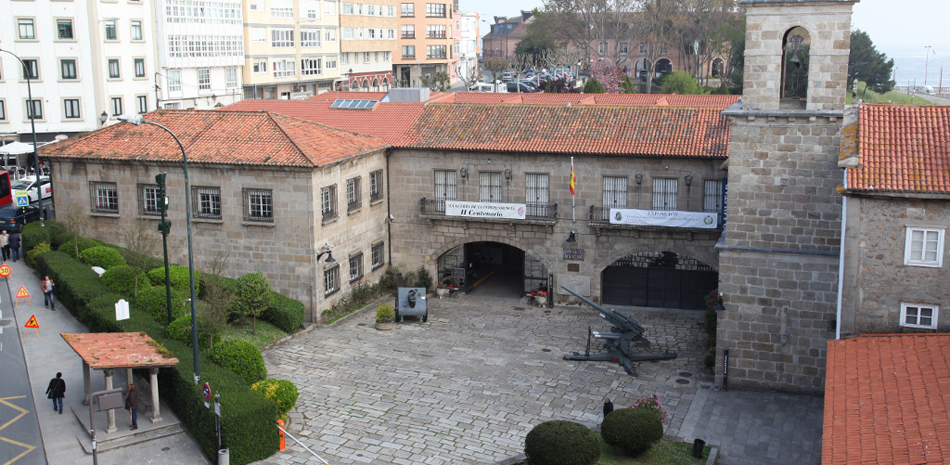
pixel 20 440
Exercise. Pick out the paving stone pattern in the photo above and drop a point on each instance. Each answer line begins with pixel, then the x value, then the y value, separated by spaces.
pixel 468 385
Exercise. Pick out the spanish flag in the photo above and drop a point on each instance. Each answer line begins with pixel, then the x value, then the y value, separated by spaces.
pixel 572 175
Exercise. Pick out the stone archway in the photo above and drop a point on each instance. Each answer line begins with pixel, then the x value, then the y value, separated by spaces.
pixel 471 262
pixel 661 279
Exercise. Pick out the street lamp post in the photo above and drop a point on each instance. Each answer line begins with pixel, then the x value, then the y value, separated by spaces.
pixel 926 62
pixel 36 157
pixel 138 120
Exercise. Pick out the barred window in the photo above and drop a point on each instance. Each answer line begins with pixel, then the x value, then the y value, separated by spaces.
pixel 615 192
pixel 353 198
pixel 489 187
pixel 331 280
pixel 665 191
pixel 149 198
pixel 259 205
pixel 328 202
pixel 446 187
pixel 378 258
pixel 207 202
pixel 356 267
pixel 376 186
pixel 536 194
pixel 105 197
pixel 712 195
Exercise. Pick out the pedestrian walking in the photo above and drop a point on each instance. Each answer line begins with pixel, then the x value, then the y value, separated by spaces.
pixel 56 391
pixel 47 286
pixel 608 407
pixel 131 404
pixel 5 245
pixel 14 242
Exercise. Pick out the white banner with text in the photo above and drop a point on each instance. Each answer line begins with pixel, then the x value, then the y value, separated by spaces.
pixel 669 219
pixel 511 211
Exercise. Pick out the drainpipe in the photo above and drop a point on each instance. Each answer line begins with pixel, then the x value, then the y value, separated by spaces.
pixel 844 229
pixel 389 221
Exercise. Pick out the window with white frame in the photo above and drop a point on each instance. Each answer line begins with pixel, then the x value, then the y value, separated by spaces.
pixel 141 104
pixel 624 48
pixel 67 67
pixel 204 79
pixel 105 197
pixel 924 247
pixel 259 205
pixel 149 199
pixel 114 70
pixel 310 38
pixel 281 38
pixel 330 35
pixel 281 8
pixel 376 186
pixel 64 29
pixel 615 192
pixel 331 280
pixel 435 10
pixel 331 62
pixel 328 202
pixel 435 31
pixel 284 68
pixel 207 202
pixel 346 9
pixel 365 57
pixel 643 49
pixel 914 315
pixel 712 195
pixel 407 10
pixel 230 78
pixel 174 80
pixel 602 48
pixel 31 68
pixel 71 108
pixel 489 187
pixel 536 194
pixel 117 106
pixel 353 198
pixel 136 30
pixel 34 109
pixel 311 67
pixel 408 51
pixel 139 67
pixel 378 258
pixel 356 267
pixel 26 29
pixel 111 32
pixel 665 191
pixel 435 51
pixel 259 66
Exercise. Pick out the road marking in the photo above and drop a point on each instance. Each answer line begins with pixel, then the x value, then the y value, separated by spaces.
pixel 23 412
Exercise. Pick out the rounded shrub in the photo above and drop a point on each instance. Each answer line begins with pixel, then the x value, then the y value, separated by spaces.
pixel 178 277
pixel 102 256
pixel 180 330
pixel 121 279
pixel 632 429
pixel 69 247
pixel 30 257
pixel 153 302
pixel 241 358
pixel 561 442
pixel 281 391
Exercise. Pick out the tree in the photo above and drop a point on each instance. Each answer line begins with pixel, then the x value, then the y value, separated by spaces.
pixel 868 65
pixel 593 87
pixel 219 297
pixel 607 74
pixel 658 23
pixel 76 223
pixel 439 82
pixel 141 240
pixel 467 73
pixel 252 296
pixel 680 82
pixel 627 86
pixel 495 66
pixel 539 38
pixel 729 40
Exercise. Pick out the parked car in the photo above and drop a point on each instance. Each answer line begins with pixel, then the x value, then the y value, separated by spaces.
pixel 521 87
pixel 487 87
pixel 507 76
pixel 12 218
pixel 28 183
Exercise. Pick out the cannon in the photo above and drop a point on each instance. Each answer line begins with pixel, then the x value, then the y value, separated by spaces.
pixel 623 332
pixel 411 301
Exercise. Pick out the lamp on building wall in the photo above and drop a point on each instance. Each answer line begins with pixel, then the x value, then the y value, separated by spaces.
pixel 103 117
pixel 689 180
pixel 571 238
pixel 508 175
pixel 463 172
pixel 639 178
pixel 326 250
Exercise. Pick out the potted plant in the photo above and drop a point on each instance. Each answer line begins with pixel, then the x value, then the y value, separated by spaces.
pixel 384 317
pixel 443 288
pixel 541 296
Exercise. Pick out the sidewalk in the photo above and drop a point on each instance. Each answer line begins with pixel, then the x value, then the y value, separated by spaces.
pixel 65 438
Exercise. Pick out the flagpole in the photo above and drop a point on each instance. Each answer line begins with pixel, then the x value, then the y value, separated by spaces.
pixel 573 213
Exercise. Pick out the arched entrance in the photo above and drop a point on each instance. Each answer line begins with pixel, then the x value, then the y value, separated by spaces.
pixel 491 268
pixel 662 67
pixel 717 67
pixel 642 68
pixel 658 279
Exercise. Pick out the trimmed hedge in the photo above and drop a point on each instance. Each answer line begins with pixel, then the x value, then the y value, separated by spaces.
pixel 632 429
pixel 69 247
pixel 242 358
pixel 121 279
pixel 30 256
pixel 281 391
pixel 102 256
pixel 76 283
pixel 284 312
pixel 561 442
pixel 178 277
pixel 180 330
pixel 33 234
pixel 154 302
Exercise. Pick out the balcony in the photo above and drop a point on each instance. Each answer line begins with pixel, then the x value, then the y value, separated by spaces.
pixel 654 220
pixel 534 214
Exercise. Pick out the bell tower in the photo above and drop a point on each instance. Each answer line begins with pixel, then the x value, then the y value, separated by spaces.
pixel 780 251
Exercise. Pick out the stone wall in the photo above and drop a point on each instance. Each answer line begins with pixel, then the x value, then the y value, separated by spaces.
pixel 876 280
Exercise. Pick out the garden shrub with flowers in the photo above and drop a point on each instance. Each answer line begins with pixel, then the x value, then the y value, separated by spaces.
pixel 653 404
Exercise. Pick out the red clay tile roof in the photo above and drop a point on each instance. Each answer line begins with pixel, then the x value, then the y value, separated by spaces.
pixel 334 95
pixel 686 132
pixel 903 149
pixel 887 400
pixel 226 137
pixel 387 121
pixel 695 101
pixel 118 350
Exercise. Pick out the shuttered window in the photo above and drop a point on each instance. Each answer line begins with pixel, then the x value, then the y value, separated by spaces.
pixel 712 195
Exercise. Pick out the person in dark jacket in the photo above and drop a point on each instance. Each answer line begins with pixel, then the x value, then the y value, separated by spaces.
pixel 56 391
pixel 608 407
pixel 14 243
pixel 131 404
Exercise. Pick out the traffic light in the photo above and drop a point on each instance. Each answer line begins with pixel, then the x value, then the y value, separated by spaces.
pixel 160 180
pixel 163 199
pixel 165 226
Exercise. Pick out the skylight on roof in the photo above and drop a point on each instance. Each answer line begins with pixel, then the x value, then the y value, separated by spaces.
pixel 354 104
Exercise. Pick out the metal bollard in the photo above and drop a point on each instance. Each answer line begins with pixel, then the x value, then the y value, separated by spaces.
pixel 698 445
pixel 224 457
pixel 280 434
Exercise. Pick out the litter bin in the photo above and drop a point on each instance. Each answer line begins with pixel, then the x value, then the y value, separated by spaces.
pixel 224 457
pixel 698 446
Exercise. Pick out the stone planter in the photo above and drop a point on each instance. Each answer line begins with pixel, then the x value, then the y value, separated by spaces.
pixel 542 300
pixel 385 325
pixel 440 292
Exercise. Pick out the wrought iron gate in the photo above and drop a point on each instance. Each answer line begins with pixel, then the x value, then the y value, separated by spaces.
pixel 658 279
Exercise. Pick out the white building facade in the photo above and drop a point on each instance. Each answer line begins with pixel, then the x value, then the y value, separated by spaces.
pixel 467 45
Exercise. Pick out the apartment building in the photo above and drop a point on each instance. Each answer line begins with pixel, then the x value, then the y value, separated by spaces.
pixel 200 47
pixel 367 44
pixel 466 44
pixel 425 42
pixel 292 48
pixel 87 62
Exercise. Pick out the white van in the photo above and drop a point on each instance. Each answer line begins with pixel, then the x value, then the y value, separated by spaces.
pixel 487 87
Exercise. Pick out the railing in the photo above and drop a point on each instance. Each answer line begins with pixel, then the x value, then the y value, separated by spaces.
pixel 599 215
pixel 533 212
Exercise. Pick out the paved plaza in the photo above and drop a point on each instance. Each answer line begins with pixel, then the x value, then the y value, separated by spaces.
pixel 469 384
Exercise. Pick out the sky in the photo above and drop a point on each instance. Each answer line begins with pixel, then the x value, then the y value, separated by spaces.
pixel 900 29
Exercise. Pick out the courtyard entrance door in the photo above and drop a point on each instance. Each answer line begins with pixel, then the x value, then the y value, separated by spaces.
pixel 658 279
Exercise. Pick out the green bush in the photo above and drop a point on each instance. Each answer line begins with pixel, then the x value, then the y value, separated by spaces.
pixel 281 391
pixel 178 277
pixel 69 247
pixel 121 279
pixel 592 86
pixel 561 442
pixel 83 285
pixel 180 330
pixel 33 234
pixel 632 429
pixel 102 256
pixel 241 358
pixel 154 302
pixel 30 257
pixel 284 312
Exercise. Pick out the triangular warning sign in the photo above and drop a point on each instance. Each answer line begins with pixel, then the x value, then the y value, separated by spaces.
pixel 22 293
pixel 32 323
